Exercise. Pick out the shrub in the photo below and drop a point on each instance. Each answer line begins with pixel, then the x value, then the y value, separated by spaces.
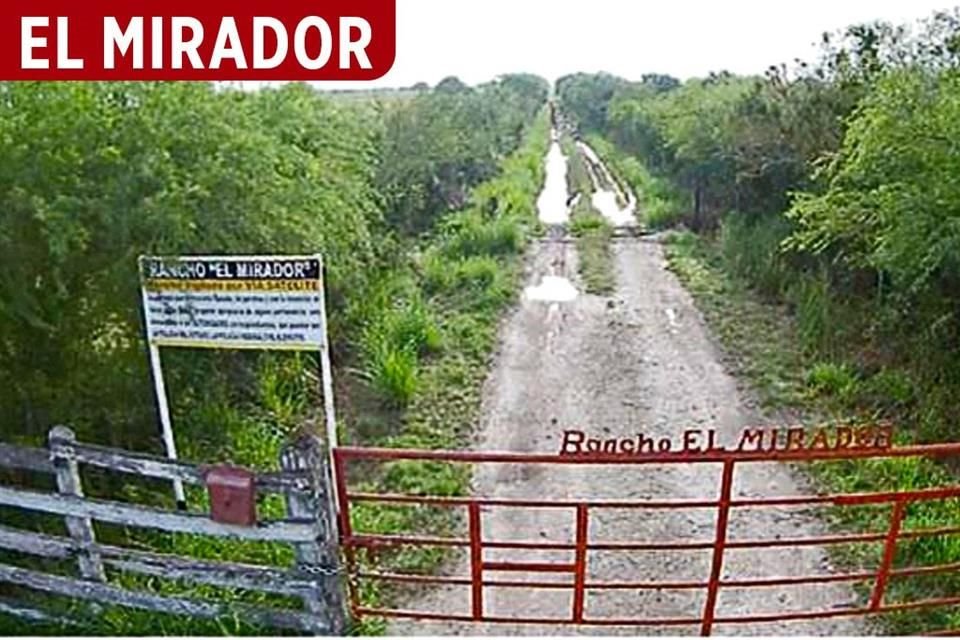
pixel 831 379
pixel 480 278
pixel 816 313
pixel 661 214
pixel 588 222
pixel 476 272
pixel 412 326
pixel 890 388
pixel 437 272
pixel 472 235
pixel 391 346
pixel 751 250
pixel 391 371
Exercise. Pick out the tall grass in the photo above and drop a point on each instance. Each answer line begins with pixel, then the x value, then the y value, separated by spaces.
pixel 391 347
pixel 471 234
pixel 595 258
pixel 751 250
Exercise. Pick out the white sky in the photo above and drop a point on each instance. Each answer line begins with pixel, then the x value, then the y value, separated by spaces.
pixel 480 39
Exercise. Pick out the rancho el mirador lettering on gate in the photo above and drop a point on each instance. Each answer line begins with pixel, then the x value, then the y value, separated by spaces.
pixel 795 438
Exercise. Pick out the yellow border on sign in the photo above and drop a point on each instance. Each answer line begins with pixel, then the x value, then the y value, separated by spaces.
pixel 213 344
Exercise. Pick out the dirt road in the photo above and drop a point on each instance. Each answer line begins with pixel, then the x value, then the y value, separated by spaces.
pixel 639 361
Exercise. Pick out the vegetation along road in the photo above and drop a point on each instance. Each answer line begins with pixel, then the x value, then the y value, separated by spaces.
pixel 663 255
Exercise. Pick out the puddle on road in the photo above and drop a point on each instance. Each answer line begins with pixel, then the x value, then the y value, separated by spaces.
pixel 606 203
pixel 552 289
pixel 605 200
pixel 552 203
pixel 552 209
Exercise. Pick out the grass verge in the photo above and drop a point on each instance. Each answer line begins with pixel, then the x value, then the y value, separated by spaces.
pixel 466 274
pixel 762 342
pixel 595 258
pixel 591 230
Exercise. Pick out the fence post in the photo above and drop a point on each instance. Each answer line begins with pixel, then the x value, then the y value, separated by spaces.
pixel 319 558
pixel 69 484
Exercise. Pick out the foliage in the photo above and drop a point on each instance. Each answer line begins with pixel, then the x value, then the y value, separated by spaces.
pixel 440 144
pixel 96 174
pixel 832 379
pixel 391 370
pixel 595 258
pixel 391 347
pixel 470 234
pixel 892 205
pixel 746 249
pixel 586 97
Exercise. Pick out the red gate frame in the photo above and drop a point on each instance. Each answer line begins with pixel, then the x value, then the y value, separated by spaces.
pixel 898 500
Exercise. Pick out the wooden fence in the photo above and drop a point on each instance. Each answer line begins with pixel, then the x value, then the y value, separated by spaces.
pixel 308 526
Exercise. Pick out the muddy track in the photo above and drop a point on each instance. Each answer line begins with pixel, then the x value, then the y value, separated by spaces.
pixel 638 361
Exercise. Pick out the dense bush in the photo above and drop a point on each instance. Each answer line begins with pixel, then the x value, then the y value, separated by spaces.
pixel 95 174
pixel 829 187
pixel 439 145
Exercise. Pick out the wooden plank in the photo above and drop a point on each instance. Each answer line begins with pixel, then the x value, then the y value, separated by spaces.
pixel 151 466
pixel 223 574
pixel 19 610
pixel 321 554
pixel 28 458
pixel 81 529
pixel 151 518
pixel 37 544
pixel 105 593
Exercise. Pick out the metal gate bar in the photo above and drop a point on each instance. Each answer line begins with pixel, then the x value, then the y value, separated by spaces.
pixel 582 545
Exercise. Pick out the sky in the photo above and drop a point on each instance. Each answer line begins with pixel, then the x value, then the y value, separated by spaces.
pixel 478 40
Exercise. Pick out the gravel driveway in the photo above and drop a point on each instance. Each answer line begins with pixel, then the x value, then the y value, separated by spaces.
pixel 641 361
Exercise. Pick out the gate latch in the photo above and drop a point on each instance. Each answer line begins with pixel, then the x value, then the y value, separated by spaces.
pixel 232 495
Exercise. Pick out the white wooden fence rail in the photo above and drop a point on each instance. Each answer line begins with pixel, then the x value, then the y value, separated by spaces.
pixel 303 480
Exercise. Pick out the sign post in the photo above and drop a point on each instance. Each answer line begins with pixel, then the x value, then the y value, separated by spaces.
pixel 235 302
pixel 156 370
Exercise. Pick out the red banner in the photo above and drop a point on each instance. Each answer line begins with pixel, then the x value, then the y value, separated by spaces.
pixel 196 40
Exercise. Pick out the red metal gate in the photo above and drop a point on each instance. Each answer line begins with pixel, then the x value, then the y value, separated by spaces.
pixel 578 579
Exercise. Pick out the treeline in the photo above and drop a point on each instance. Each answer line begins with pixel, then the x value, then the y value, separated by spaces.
pixel 830 186
pixel 94 174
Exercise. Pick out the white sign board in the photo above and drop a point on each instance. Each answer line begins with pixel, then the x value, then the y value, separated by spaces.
pixel 234 302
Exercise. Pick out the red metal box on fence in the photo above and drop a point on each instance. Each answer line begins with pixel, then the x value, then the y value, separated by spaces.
pixel 232 495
